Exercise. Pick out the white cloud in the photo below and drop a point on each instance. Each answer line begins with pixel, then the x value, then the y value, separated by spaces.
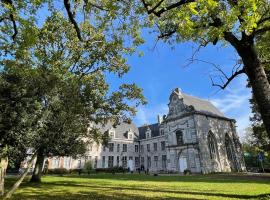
pixel 148 114
pixel 234 103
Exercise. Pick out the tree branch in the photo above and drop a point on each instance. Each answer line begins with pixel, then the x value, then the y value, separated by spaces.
pixel 228 79
pixel 72 20
pixel 262 30
pixel 164 9
pixel 11 17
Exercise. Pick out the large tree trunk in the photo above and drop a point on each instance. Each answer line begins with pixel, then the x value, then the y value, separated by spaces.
pixel 3 168
pixel 17 184
pixel 36 176
pixel 258 81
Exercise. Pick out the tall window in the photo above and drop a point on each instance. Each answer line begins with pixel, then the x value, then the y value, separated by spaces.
pixel 212 145
pixel 156 161
pixel 111 134
pixel 124 147
pixel 179 137
pixel 162 144
pixel 117 161
pixel 103 161
pixel 155 146
pixel 148 162
pixel 96 159
pixel 104 148
pixel 118 147
pixel 142 150
pixel 124 161
pixel 230 151
pixel 137 162
pixel 148 147
pixel 136 148
pixel 142 161
pixel 164 158
pixel 111 145
pixel 110 162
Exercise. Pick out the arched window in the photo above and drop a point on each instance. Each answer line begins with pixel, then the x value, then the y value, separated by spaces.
pixel 179 138
pixel 230 151
pixel 212 145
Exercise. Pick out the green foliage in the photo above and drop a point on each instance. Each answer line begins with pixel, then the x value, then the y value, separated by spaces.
pixel 60 171
pixel 88 167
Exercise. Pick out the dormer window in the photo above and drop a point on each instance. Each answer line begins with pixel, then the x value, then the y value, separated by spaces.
pixel 148 135
pixel 130 136
pixel 111 134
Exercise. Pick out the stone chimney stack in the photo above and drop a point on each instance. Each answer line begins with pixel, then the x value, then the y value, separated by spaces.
pixel 160 120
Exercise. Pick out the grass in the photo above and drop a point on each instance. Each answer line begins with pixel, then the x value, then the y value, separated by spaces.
pixel 138 186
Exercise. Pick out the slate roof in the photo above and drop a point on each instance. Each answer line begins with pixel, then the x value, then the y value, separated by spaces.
pixel 154 130
pixel 120 130
pixel 201 105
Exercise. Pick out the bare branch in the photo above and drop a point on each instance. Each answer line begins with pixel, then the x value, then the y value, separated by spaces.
pixel 72 20
pixel 164 9
pixel 228 79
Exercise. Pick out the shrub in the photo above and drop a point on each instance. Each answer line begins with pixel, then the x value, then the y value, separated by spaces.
pixel 187 172
pixel 88 167
pixel 112 170
pixel 58 171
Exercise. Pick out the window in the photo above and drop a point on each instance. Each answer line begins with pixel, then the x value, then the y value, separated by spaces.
pixel 137 162
pixel 130 158
pixel 161 132
pixel 230 151
pixel 103 161
pixel 79 164
pixel 96 159
pixel 164 158
pixel 104 148
pixel 156 161
pixel 90 147
pixel 148 161
pixel 117 161
pixel 148 135
pixel 55 162
pixel 142 161
pixel 110 162
pixel 142 150
pixel 212 145
pixel 124 161
pixel 124 147
pixel 118 147
pixel 111 134
pixel 148 147
pixel 66 162
pixel 111 147
pixel 136 148
pixel 155 146
pixel 130 136
pixel 162 144
pixel 179 138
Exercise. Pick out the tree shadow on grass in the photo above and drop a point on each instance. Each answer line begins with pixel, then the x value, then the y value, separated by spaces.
pixel 212 178
pixel 116 192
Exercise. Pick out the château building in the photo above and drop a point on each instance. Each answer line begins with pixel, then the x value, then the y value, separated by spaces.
pixel 194 135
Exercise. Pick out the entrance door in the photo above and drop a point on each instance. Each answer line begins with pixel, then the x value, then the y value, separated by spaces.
pixel 182 164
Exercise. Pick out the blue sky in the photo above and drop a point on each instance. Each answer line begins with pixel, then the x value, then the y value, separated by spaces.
pixel 163 68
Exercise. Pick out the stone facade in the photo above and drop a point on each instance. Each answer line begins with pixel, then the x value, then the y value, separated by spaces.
pixel 194 135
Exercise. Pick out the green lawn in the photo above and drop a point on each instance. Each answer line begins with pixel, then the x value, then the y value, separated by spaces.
pixel 136 186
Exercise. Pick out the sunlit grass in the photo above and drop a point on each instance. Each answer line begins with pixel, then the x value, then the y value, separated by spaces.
pixel 136 186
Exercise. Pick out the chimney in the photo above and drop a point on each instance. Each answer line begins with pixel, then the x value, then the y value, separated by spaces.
pixel 160 120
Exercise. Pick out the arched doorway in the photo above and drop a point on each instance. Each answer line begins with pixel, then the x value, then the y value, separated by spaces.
pixel 230 152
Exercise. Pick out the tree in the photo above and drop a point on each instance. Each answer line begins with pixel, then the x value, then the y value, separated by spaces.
pixel 71 60
pixel 259 133
pixel 238 23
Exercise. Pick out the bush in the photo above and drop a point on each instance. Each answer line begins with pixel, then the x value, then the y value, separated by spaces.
pixel 187 172
pixel 88 167
pixel 58 171
pixel 112 170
